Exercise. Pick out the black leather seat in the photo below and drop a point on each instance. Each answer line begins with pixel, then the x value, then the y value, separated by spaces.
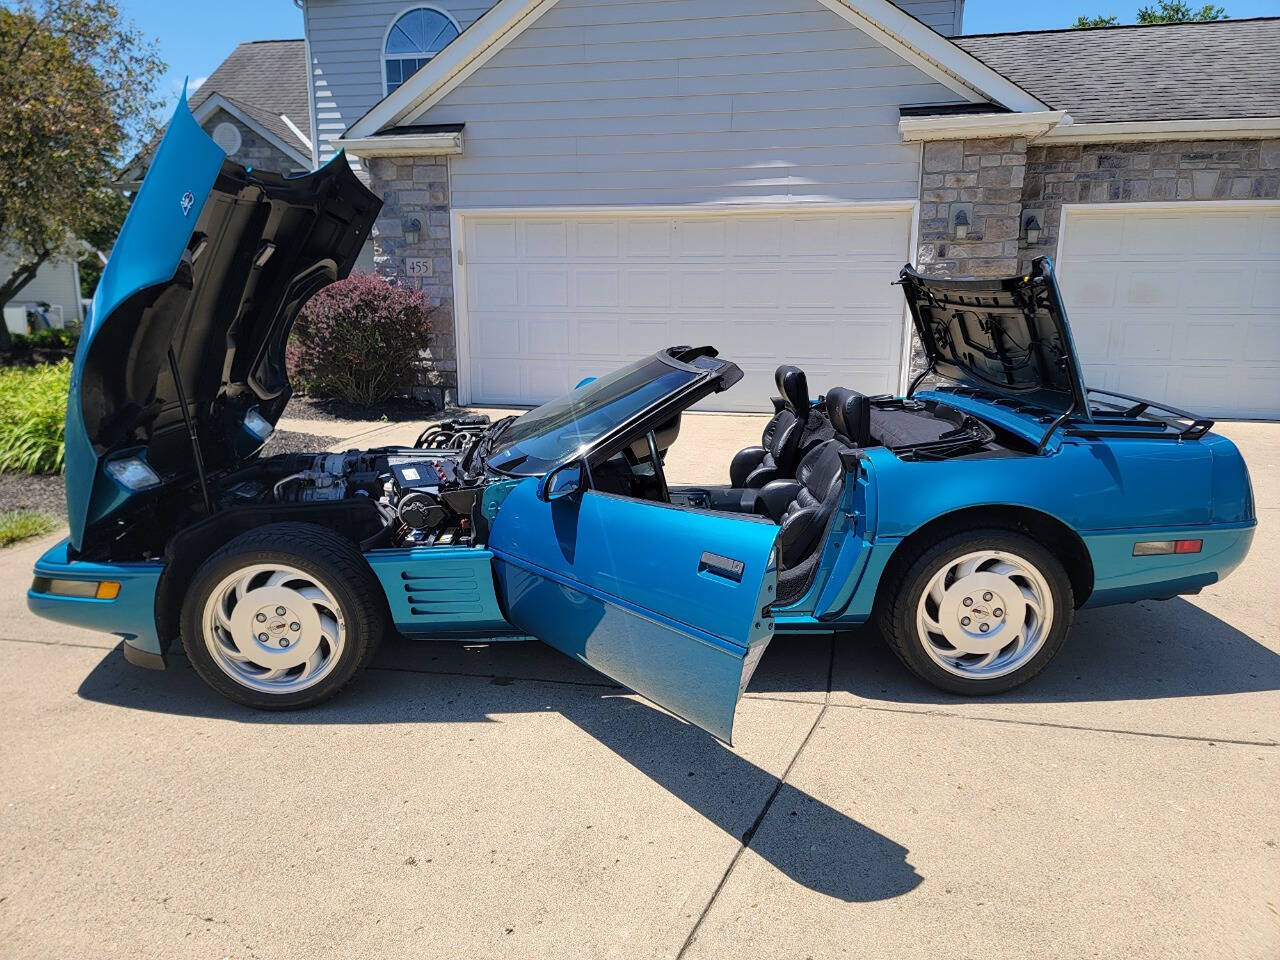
pixel 850 414
pixel 818 483
pixel 779 450
pixel 803 507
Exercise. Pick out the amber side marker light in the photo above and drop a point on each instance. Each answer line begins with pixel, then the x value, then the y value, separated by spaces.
pixel 85 589
pixel 1160 548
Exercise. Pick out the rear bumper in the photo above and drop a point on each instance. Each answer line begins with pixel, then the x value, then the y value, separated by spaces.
pixel 1120 577
pixel 131 615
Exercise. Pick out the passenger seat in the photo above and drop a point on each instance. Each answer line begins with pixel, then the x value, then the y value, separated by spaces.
pixel 850 414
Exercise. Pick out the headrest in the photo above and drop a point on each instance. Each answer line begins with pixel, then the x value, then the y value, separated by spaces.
pixel 849 413
pixel 793 387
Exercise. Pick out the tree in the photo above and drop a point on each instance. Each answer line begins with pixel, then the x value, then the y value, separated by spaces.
pixel 1166 12
pixel 77 85
pixel 1084 23
pixel 1163 12
pixel 99 233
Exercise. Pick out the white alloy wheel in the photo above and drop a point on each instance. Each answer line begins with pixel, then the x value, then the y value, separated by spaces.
pixel 273 628
pixel 985 614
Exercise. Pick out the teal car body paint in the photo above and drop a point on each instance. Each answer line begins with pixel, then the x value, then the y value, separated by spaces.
pixel 970 519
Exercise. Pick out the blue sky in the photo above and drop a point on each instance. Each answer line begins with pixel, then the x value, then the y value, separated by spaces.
pixel 194 44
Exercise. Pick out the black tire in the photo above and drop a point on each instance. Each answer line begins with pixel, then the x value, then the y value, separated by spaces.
pixel 335 563
pixel 896 615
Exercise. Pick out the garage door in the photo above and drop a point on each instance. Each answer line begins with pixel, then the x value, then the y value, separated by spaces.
pixel 550 299
pixel 1178 304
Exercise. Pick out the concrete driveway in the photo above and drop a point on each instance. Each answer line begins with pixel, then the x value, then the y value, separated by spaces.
pixel 499 801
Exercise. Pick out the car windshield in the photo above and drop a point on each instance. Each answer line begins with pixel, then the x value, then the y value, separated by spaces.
pixel 555 431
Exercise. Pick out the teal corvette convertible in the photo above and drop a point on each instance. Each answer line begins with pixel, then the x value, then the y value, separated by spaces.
pixel 968 520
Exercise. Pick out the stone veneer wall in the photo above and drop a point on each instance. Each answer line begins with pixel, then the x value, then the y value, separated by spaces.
pixel 1138 172
pixel 255 151
pixel 417 188
pixel 985 178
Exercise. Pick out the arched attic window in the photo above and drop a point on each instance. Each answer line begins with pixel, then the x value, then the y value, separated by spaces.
pixel 415 37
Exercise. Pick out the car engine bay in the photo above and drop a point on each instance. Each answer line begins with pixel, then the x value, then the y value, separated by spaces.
pixel 423 497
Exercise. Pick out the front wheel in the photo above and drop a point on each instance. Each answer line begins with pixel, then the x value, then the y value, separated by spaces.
pixel 282 617
pixel 979 612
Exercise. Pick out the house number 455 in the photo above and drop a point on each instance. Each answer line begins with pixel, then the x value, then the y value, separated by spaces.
pixel 417 266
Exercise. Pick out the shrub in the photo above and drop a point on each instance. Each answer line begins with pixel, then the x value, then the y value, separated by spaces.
pixel 19 525
pixel 33 410
pixel 360 340
pixel 55 338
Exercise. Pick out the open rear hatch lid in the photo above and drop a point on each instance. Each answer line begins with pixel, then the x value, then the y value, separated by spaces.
pixel 213 262
pixel 1008 337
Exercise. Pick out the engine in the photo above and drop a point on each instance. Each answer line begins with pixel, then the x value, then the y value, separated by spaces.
pixel 424 497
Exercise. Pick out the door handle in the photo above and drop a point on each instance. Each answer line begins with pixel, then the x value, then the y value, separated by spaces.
pixel 726 567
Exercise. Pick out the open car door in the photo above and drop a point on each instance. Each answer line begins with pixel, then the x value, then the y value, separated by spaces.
pixel 670 602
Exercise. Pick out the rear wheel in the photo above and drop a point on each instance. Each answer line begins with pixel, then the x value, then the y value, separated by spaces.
pixel 978 613
pixel 282 617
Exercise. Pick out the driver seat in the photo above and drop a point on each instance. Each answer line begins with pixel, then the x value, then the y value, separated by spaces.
pixel 779 450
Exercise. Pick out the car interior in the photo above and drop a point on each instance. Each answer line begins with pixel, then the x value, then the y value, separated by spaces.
pixel 795 476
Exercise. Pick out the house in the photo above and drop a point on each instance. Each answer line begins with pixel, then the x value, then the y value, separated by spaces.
pixel 577 182
pixel 256 107
pixel 56 283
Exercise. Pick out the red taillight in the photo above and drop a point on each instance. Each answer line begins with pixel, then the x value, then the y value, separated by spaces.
pixel 1162 548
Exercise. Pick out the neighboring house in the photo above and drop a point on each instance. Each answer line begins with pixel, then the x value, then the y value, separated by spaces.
pixel 577 182
pixel 255 106
pixel 56 283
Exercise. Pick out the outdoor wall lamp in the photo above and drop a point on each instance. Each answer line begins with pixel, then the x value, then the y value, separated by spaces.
pixel 412 230
pixel 961 224
pixel 1033 230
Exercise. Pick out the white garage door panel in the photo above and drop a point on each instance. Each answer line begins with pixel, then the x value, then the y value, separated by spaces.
pixel 552 299
pixel 1179 305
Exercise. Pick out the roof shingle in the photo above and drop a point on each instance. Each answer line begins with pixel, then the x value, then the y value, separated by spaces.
pixel 1190 71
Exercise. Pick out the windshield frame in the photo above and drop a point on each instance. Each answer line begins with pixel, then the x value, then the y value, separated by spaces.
pixel 706 380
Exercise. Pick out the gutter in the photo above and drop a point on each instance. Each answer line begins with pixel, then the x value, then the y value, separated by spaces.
pixel 1057 127
pixel 956 126
pixel 404 144
pixel 1247 128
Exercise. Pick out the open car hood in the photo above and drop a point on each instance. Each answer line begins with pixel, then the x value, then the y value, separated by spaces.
pixel 213 263
pixel 1007 337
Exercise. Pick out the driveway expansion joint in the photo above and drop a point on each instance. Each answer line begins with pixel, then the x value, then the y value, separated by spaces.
pixel 749 835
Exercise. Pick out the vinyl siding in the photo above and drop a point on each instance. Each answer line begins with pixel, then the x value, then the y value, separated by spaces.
pixel 345 39
pixel 616 102
pixel 945 16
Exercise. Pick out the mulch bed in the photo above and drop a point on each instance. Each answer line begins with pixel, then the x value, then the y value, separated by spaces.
pixel 397 410
pixel 46 492
pixel 43 492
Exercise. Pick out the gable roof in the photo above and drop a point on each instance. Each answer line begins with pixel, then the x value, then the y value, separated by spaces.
pixel 1189 71
pixel 263 83
pixel 897 30
pixel 268 80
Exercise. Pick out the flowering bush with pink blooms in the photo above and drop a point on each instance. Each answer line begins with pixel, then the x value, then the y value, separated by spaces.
pixel 360 340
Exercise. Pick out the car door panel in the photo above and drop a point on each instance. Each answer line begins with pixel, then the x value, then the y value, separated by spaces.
pixel 669 602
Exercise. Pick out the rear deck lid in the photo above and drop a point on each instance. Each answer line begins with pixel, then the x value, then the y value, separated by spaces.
pixel 213 263
pixel 1007 337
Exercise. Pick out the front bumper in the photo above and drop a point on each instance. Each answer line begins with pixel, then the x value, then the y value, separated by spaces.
pixel 131 615
pixel 1120 577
